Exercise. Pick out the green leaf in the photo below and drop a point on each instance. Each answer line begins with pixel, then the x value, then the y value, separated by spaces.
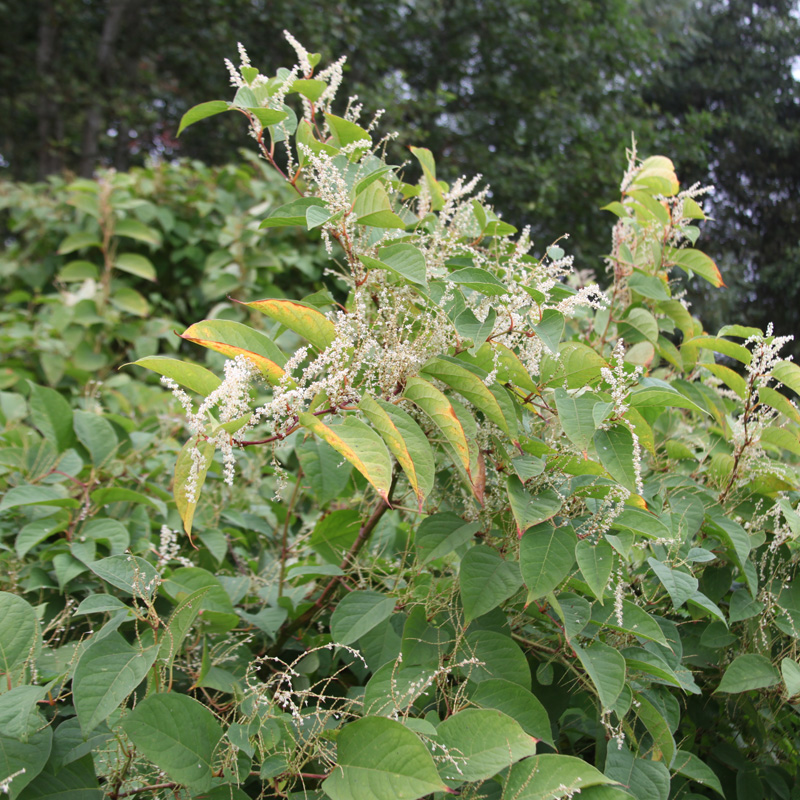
pixel 52 415
pixel 180 622
pixel 472 389
pixel 179 735
pixel 335 533
pixel 293 213
pixel 96 434
pixel 546 557
pixel 373 207
pixel 73 781
pixel 642 522
pixel 531 509
pixel 648 285
pixel 790 670
pixel 136 264
pixel 691 767
pixel 358 613
pixel 680 585
pixel 440 534
pixel 499 656
pixel 379 759
pixel 406 442
pixel 518 703
pixel 550 329
pixel 130 301
pixel 190 376
pixel 323 469
pixel 747 672
pixel 108 671
pixel 39 530
pixel 267 116
pixel 595 561
pixel 77 241
pixel 19 637
pixel 134 229
pixel 360 445
pixel 426 161
pixel 635 621
pixel 304 320
pixel 403 260
pixel 695 261
pixel 184 464
pixel 19 717
pixel 615 451
pixel 202 111
pixel 443 415
pixel 638 325
pixel 723 346
pixel 652 392
pixel 644 779
pixel 479 280
pixel 657 727
pixel 485 580
pixel 482 742
pixel 550 777
pixel 131 574
pixel 606 667
pixel 27 758
pixel 788 373
pixel 575 415
pixel 344 132
pixel 310 88
pixel 36 496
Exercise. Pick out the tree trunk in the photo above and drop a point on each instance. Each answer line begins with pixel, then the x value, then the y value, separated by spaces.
pixel 50 160
pixel 112 25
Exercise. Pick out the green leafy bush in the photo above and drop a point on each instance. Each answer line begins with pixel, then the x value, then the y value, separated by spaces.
pixel 103 271
pixel 503 534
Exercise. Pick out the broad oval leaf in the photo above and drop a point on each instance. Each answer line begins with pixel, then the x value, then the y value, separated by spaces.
pixel 546 557
pixel 378 759
pixel 747 672
pixel 606 667
pixel 179 735
pixel 108 671
pixel 485 579
pixel 360 445
pixel 358 613
pixel 190 376
pixel 19 637
pixel 531 509
pixel 551 777
pixel 518 703
pixel 201 111
pixel 481 743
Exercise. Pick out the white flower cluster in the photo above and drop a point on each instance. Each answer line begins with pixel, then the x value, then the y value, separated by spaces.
pixel 232 399
pixel 169 549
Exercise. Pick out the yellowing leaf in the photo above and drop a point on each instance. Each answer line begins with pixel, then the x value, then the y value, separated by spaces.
pixel 269 369
pixel 441 412
pixel 406 441
pixel 360 445
pixel 305 321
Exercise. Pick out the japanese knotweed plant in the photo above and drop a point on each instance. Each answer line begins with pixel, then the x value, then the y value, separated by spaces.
pixel 535 540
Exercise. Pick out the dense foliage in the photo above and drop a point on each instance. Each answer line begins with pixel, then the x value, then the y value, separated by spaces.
pixel 99 272
pixel 552 89
pixel 497 533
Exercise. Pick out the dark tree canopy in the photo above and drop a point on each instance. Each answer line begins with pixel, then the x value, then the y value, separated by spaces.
pixel 552 90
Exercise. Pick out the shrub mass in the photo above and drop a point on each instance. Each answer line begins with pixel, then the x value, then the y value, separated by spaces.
pixel 464 522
